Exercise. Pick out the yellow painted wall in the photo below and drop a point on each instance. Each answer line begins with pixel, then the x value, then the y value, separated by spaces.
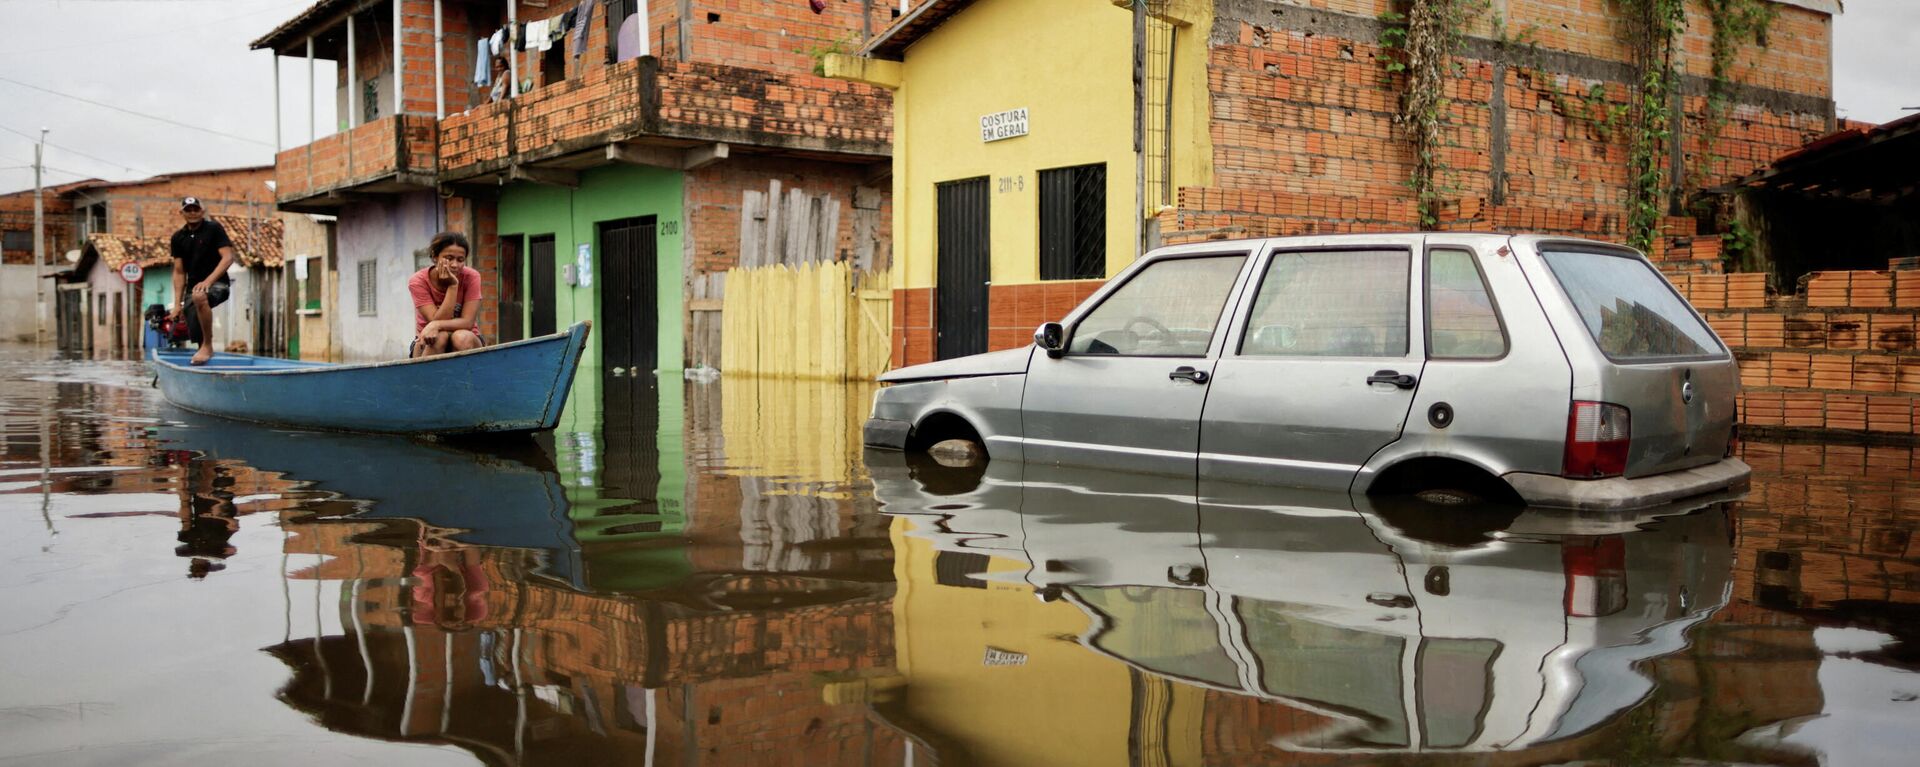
pixel 1069 62
pixel 1064 705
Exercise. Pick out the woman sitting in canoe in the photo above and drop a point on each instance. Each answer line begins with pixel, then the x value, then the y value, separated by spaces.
pixel 446 300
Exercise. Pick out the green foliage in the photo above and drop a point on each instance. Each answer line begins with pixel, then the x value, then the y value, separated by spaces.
pixel 1738 244
pixel 1421 44
pixel 1651 30
pixel 820 52
pixel 1735 23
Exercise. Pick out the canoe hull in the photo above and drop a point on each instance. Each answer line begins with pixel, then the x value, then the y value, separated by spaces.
pixel 511 388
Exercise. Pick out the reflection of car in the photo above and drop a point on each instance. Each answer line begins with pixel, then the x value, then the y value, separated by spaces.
pixel 1534 627
pixel 1567 372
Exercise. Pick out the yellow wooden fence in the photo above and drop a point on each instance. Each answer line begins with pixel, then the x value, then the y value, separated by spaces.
pixel 818 320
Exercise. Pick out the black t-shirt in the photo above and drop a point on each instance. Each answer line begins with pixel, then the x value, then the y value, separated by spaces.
pixel 200 248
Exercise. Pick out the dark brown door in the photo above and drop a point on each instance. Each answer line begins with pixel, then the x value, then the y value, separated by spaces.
pixel 960 301
pixel 540 278
pixel 629 298
pixel 513 305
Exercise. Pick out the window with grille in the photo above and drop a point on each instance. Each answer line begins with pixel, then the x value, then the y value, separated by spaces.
pixel 1073 223
pixel 369 272
pixel 19 241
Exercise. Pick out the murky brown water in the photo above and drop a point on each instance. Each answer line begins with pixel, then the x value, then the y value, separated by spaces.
pixel 718 575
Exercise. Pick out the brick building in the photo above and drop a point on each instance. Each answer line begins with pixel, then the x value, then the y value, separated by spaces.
pixel 142 211
pixel 608 183
pixel 1028 167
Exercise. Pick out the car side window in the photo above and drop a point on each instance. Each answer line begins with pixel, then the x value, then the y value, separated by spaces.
pixel 1461 320
pixel 1348 303
pixel 1168 309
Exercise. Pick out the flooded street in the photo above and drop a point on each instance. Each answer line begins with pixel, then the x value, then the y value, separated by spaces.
pixel 716 573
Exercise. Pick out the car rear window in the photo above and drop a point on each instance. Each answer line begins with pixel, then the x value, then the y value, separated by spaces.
pixel 1628 308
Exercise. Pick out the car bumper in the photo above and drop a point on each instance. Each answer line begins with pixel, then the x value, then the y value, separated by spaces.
pixel 1629 493
pixel 886 433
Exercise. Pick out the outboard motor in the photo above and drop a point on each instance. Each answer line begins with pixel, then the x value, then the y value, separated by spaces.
pixel 173 332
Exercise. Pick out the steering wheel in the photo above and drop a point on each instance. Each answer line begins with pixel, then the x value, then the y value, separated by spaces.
pixel 1160 333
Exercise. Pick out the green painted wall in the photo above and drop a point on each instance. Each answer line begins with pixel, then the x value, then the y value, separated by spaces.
pixel 156 287
pixel 570 215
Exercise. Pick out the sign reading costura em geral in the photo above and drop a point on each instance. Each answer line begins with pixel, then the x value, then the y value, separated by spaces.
pixel 1003 125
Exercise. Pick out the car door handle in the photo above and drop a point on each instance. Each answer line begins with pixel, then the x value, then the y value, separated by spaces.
pixel 1394 377
pixel 1196 376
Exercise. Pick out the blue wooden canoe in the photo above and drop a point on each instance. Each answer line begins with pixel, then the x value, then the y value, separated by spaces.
pixel 517 387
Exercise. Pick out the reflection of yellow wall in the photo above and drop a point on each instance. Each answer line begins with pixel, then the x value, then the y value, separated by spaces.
pixel 1069 63
pixel 805 430
pixel 1063 705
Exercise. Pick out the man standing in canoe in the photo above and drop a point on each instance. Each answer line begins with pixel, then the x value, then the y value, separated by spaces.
pixel 446 300
pixel 201 254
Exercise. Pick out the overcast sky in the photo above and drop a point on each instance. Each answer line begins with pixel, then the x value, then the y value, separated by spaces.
pixel 187 61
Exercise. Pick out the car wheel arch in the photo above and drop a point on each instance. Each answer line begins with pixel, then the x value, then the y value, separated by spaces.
pixel 1416 473
pixel 936 426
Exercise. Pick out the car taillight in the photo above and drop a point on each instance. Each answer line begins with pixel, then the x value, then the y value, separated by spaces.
pixel 1596 576
pixel 1597 438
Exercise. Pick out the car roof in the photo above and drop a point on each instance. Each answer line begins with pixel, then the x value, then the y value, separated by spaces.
pixel 1402 238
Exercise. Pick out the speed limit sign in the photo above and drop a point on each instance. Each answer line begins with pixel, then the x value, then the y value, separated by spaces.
pixel 131 271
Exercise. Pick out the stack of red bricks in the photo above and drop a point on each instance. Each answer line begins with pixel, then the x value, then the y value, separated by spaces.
pixel 1843 357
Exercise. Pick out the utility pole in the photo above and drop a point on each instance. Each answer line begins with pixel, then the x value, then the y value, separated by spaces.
pixel 39 245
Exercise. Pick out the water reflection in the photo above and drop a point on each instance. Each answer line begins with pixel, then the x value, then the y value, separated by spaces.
pixel 1375 628
pixel 712 573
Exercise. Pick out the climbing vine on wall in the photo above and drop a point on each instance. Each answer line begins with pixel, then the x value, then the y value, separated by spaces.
pixel 1651 30
pixel 1421 42
pixel 1735 23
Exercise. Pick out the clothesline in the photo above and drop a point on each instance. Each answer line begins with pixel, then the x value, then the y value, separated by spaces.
pixel 536 35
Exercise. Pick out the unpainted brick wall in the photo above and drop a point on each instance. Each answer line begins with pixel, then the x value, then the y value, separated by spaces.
pixel 1305 142
pixel 1841 357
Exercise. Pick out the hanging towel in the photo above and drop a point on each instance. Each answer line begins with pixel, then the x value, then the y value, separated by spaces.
pixel 537 39
pixel 483 65
pixel 498 39
pixel 580 18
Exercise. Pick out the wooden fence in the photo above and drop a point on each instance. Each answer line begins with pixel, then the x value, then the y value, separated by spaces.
pixel 820 320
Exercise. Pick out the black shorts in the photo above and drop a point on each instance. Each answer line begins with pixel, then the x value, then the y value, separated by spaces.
pixel 216 295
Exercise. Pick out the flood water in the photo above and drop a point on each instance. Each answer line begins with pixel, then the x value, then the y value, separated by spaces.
pixel 715 573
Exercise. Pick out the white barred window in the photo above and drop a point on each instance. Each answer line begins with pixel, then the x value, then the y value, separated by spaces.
pixel 369 271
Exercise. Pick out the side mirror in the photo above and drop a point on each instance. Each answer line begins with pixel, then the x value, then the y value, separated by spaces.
pixel 1051 338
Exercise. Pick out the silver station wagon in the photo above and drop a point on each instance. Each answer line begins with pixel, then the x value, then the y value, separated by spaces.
pixel 1551 371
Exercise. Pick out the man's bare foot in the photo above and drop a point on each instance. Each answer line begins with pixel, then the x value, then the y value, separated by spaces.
pixel 201 357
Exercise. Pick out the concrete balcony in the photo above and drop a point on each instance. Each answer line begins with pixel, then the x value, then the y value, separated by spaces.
pixel 386 156
pixel 667 114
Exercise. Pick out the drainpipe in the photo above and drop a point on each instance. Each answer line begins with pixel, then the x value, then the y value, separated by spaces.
pixel 1139 127
pixel 399 64
pixel 313 101
pixel 513 48
pixel 353 76
pixel 439 66
pixel 276 102
pixel 645 29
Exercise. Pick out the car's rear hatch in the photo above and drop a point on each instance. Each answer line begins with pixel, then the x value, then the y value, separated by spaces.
pixel 1646 350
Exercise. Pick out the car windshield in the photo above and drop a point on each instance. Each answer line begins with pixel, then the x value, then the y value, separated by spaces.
pixel 1628 308
pixel 1169 309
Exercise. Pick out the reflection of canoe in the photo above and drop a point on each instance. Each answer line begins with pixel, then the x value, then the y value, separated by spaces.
pixel 514 387
pixel 511 499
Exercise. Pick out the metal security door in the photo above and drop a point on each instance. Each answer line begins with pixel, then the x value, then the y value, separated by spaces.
pixel 540 283
pixel 960 303
pixel 513 305
pixel 630 295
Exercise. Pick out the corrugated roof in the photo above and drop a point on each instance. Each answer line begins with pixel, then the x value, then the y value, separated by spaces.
pixel 294 28
pixel 118 249
pixel 256 241
pixel 892 42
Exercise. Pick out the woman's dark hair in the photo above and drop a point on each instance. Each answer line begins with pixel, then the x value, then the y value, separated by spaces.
pixel 444 240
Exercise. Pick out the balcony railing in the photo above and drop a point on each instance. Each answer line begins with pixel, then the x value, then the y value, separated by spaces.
pixel 389 155
pixel 661 109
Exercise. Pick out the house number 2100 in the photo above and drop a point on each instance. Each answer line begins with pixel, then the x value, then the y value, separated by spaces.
pixel 669 227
